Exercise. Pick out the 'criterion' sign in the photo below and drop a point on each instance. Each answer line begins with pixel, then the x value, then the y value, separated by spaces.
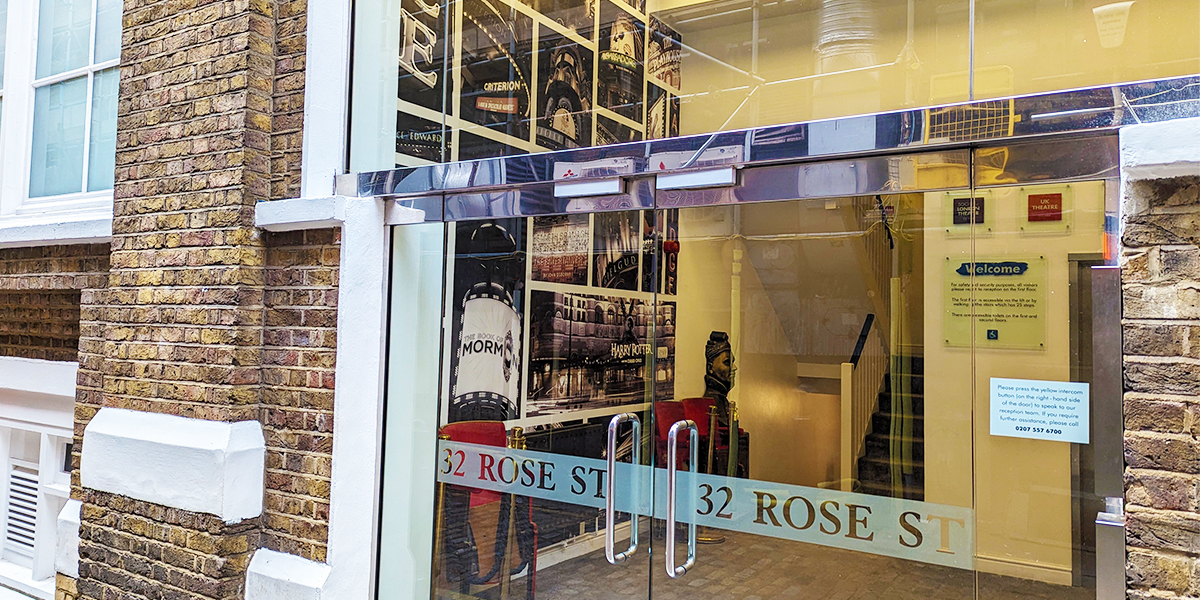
pixel 1040 410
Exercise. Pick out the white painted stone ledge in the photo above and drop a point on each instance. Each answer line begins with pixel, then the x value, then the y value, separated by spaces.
pixel 50 230
pixel 298 214
pixel 1160 150
pixel 192 464
pixel 56 378
pixel 66 550
pixel 278 576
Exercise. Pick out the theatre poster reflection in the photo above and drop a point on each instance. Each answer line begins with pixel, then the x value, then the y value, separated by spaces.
pixel 559 314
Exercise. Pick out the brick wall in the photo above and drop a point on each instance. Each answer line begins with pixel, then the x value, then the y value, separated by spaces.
pixel 288 101
pixel 299 341
pixel 141 550
pixel 42 324
pixel 1161 289
pixel 208 124
pixel 40 295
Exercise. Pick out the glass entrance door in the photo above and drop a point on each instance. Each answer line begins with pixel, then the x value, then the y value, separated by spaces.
pixel 547 380
pixel 878 395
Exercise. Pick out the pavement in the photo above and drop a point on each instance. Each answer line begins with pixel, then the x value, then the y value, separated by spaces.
pixel 749 567
pixel 7 594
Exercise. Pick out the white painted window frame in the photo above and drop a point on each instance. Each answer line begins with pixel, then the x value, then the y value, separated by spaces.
pixel 25 220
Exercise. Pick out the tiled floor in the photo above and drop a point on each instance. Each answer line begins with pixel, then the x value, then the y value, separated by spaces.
pixel 748 567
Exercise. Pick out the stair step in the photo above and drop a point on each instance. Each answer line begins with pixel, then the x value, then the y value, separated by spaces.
pixel 871 469
pixel 917 402
pixel 915 363
pixel 881 423
pixel 879 446
pixel 914 384
pixel 885 489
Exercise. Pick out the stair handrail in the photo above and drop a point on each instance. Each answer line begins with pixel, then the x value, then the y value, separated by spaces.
pixel 862 339
pixel 860 388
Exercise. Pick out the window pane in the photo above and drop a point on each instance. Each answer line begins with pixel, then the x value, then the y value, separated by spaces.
pixel 103 146
pixel 3 36
pixel 108 30
pixel 436 82
pixel 1093 43
pixel 59 111
pixel 63 30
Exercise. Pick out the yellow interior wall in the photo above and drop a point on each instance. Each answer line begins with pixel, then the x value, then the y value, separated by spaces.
pixel 1022 487
pixel 794 434
pixel 1013 39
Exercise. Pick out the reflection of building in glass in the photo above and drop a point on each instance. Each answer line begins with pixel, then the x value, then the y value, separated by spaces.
pixel 615 250
pixel 594 351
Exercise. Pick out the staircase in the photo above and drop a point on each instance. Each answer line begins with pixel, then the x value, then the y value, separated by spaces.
pixel 884 448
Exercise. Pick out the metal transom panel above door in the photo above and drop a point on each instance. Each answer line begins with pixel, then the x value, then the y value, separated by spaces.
pixel 877 378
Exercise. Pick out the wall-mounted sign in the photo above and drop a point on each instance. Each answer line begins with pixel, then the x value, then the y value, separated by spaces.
pixel 965 213
pixel 968 210
pixel 1040 410
pixel 1111 21
pixel 1048 209
pixel 1005 297
pixel 1045 207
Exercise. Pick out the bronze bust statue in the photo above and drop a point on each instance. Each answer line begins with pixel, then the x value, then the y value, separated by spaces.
pixel 720 372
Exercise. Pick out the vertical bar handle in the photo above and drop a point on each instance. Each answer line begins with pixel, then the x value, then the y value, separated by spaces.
pixel 611 487
pixel 672 474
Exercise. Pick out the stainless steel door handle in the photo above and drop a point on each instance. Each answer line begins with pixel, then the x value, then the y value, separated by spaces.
pixel 672 474
pixel 611 488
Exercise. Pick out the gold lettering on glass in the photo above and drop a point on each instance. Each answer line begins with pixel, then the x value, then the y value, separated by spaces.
pixel 945 523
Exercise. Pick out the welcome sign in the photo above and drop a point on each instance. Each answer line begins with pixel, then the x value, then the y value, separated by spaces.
pixel 906 529
pixel 1006 299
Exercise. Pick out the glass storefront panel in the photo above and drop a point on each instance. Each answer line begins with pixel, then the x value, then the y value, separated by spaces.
pixel 545 340
pixel 408 502
pixel 1039 451
pixel 438 80
pixel 892 393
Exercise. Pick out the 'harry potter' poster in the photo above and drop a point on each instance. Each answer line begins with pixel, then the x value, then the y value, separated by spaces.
pixel 488 296
pixel 620 75
pixel 590 351
pixel 565 93
pixel 617 244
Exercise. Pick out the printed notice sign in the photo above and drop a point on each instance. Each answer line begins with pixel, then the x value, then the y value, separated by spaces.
pixel 1040 410
pixel 1006 298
